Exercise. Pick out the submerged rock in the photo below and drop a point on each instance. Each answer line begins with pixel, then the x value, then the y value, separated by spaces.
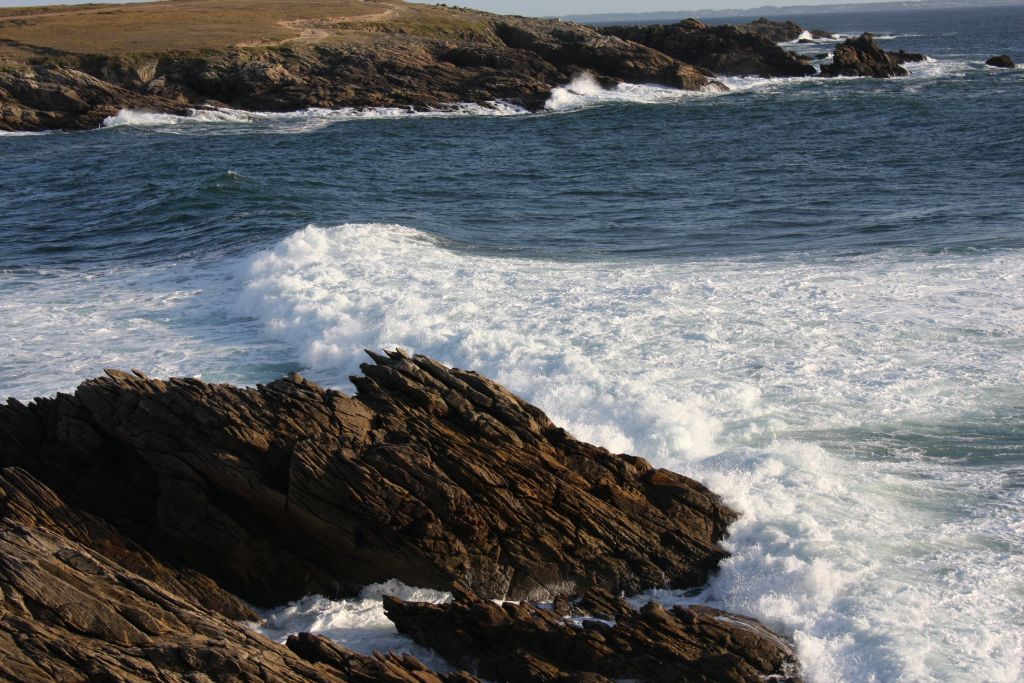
pixel 1001 61
pixel 604 639
pixel 723 50
pixel 434 476
pixel 862 56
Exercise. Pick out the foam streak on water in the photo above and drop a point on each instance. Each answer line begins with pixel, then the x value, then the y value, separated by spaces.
pixel 882 568
pixel 302 120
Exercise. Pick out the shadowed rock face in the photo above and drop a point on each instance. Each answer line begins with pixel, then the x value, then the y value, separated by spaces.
pixel 607 640
pixel 862 56
pixel 71 613
pixel 434 476
pixel 723 50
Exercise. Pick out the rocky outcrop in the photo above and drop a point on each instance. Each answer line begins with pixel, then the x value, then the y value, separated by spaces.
pixel 780 31
pixel 504 58
pixel 136 512
pixel 723 50
pixel 902 56
pixel 1001 61
pixel 862 56
pixel 44 97
pixel 434 476
pixel 70 613
pixel 602 639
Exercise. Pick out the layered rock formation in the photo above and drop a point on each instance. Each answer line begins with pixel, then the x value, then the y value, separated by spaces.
pixel 604 639
pixel 861 56
pixel 69 612
pixel 133 512
pixel 433 476
pixel 418 57
pixel 723 50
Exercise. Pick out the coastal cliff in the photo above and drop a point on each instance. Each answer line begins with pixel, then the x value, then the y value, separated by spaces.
pixel 139 518
pixel 65 67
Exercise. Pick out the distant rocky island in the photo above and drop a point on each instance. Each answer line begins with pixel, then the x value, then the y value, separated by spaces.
pixel 141 519
pixel 70 67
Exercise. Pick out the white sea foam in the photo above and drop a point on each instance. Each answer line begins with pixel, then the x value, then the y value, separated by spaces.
pixel 584 91
pixel 901 567
pixel 306 119
pixel 358 623
pixel 779 383
pixel 22 133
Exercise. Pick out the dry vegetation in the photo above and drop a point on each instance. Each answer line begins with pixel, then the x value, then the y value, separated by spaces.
pixel 214 24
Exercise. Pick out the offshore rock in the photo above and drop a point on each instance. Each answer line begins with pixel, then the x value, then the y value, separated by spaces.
pixel 435 476
pixel 604 639
pixel 902 56
pixel 1001 61
pixel 69 613
pixel 862 56
pixel 723 50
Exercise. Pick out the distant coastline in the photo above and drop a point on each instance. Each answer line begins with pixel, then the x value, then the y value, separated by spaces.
pixel 785 10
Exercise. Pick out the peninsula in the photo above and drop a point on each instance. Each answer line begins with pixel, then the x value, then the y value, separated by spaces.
pixel 71 66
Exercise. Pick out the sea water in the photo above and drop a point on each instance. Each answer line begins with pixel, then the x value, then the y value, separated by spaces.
pixel 808 294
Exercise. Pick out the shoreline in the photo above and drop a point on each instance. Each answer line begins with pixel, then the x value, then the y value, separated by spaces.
pixel 72 69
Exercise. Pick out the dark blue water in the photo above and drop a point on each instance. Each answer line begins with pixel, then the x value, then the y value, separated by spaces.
pixel 807 293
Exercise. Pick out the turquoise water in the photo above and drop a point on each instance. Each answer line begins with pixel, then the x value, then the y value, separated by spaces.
pixel 808 294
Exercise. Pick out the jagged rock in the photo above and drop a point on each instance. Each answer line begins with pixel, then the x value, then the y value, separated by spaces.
pixel 724 50
pixel 604 640
pixel 437 477
pixel 1001 61
pixel 69 613
pixel 862 56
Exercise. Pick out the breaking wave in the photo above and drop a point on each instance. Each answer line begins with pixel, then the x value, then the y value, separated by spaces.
pixel 816 397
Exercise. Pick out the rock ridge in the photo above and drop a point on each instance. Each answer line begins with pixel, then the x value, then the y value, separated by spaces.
pixel 140 518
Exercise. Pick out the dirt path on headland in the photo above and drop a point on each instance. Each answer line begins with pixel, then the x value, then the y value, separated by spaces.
pixel 311 30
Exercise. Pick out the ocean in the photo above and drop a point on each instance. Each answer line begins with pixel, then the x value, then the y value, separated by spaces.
pixel 808 294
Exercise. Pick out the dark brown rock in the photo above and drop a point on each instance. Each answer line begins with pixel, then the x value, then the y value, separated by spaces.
pixel 356 668
pixel 434 476
pixel 902 57
pixel 1001 61
pixel 44 97
pixel 523 643
pixel 724 50
pixel 862 56
pixel 68 613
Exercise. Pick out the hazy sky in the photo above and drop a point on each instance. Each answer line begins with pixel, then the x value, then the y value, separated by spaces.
pixel 548 8
pixel 561 7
